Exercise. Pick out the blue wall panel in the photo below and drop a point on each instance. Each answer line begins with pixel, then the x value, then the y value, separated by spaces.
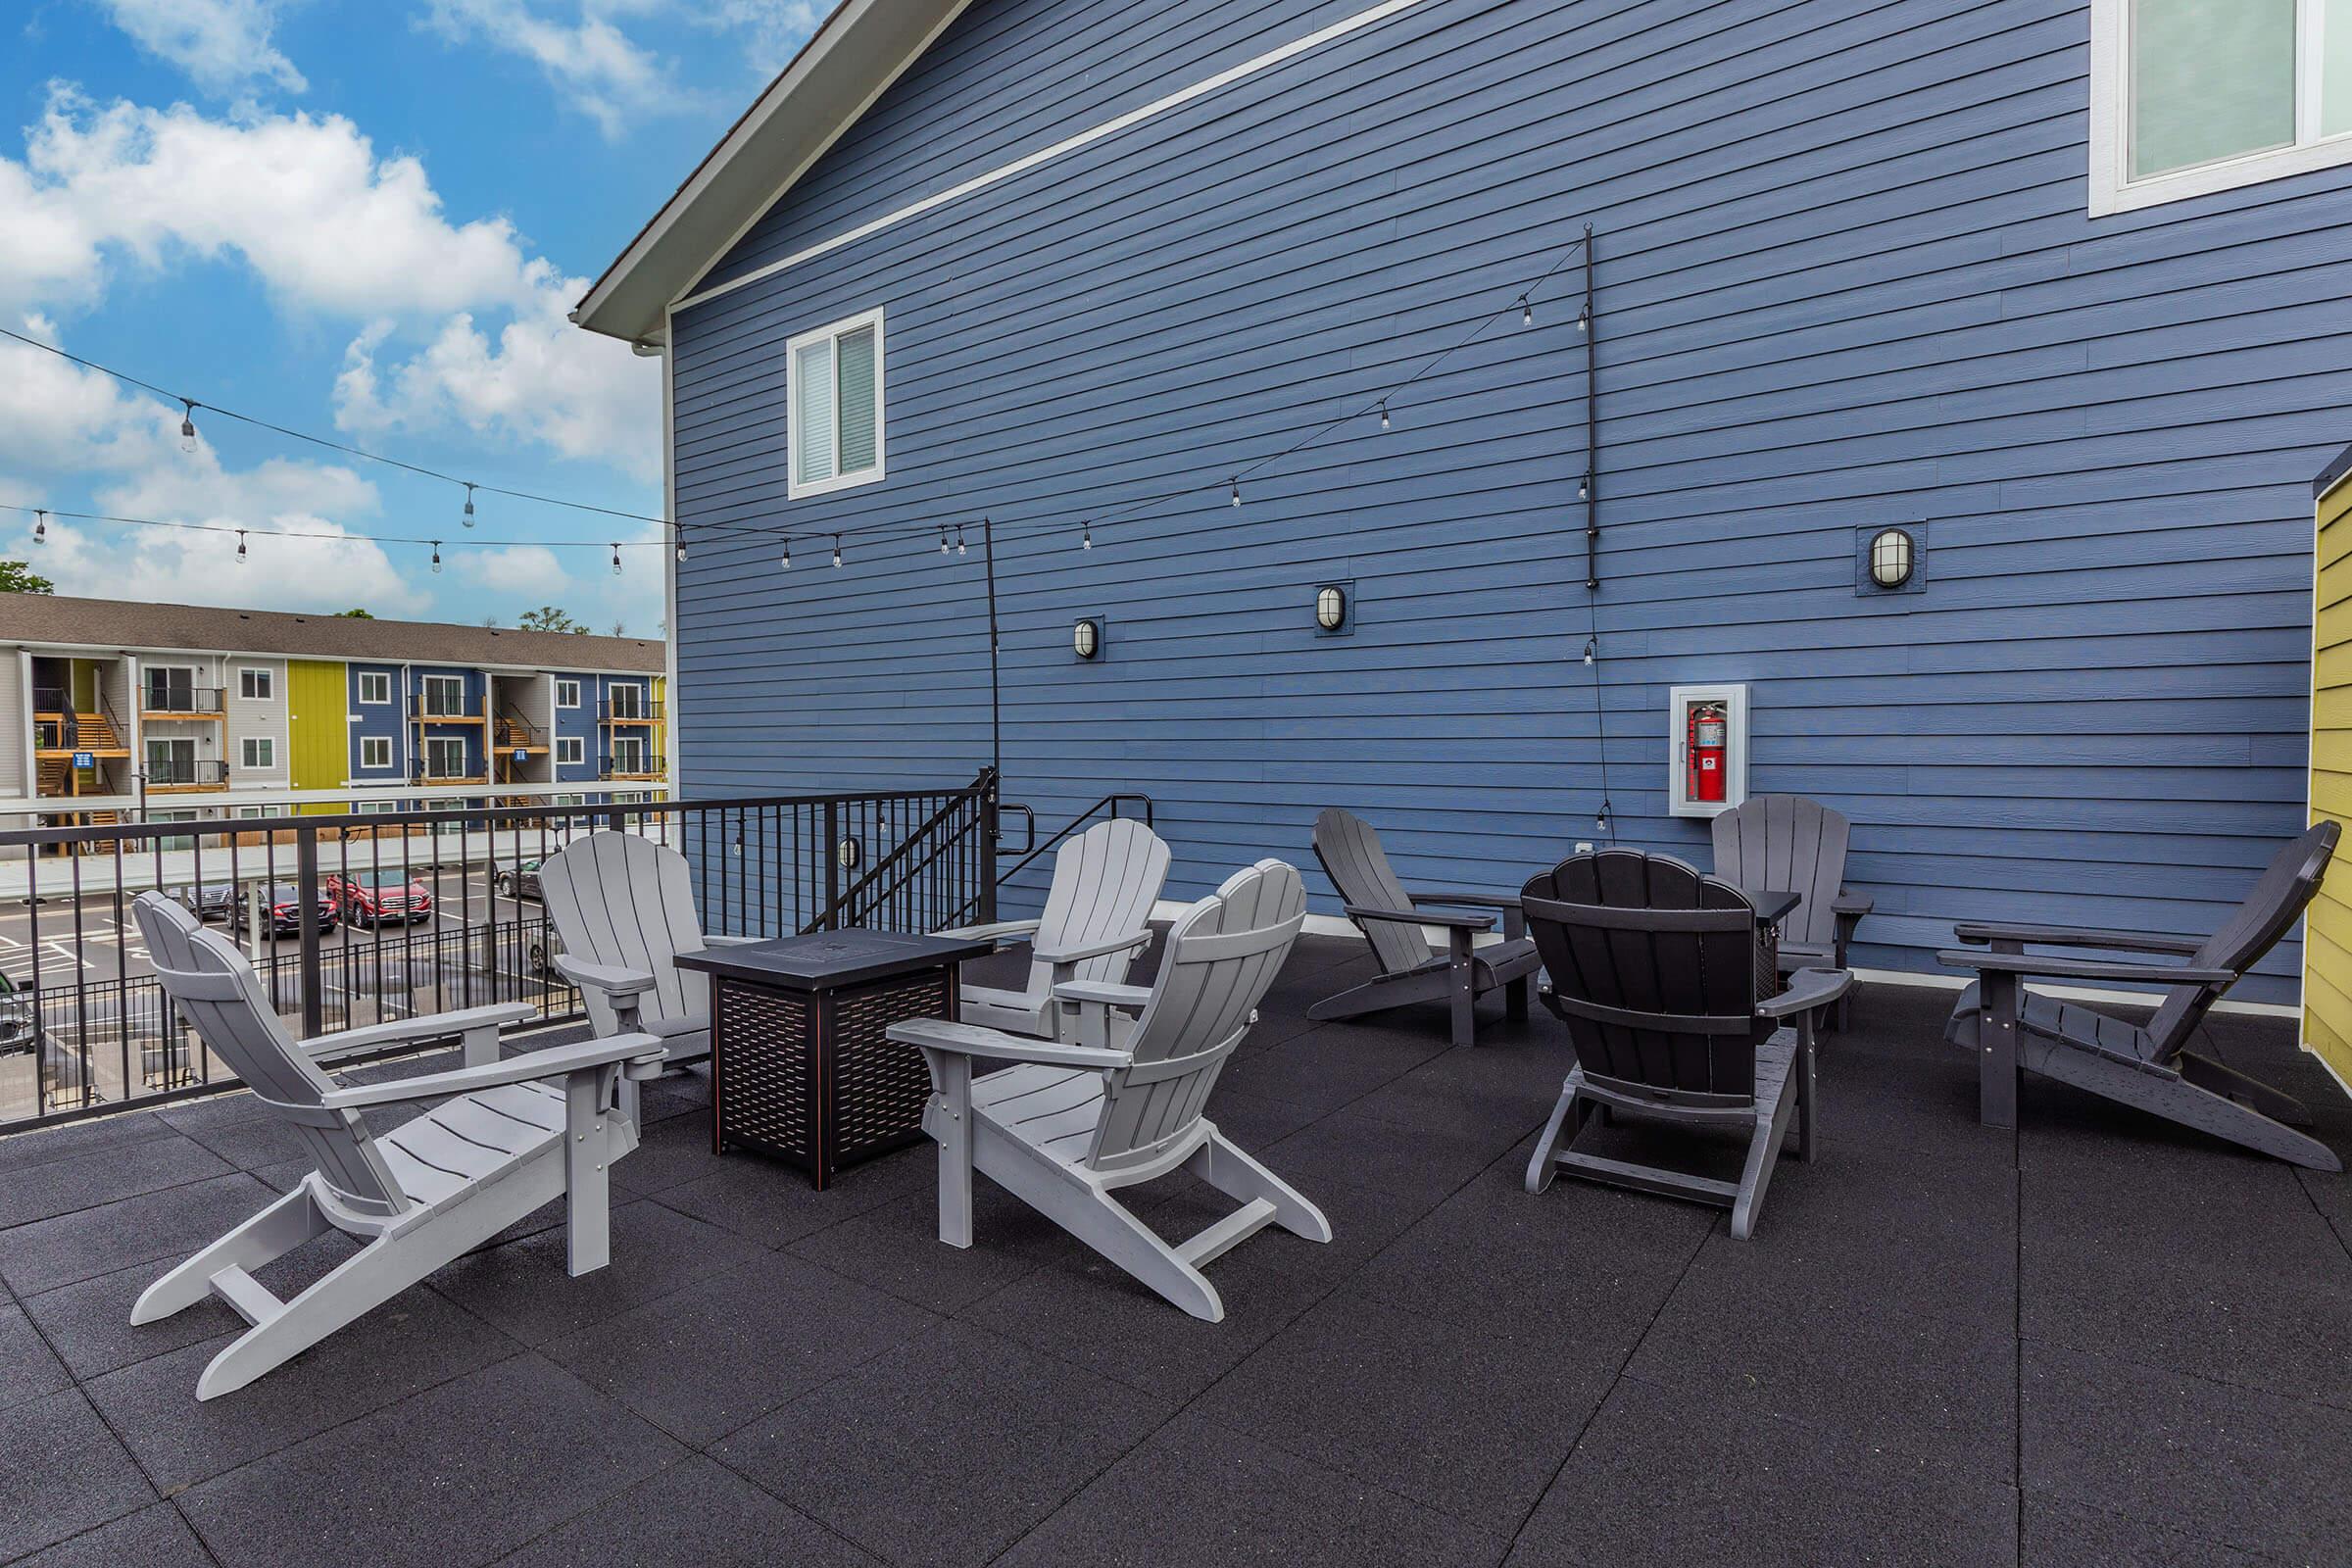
pixel 1847 279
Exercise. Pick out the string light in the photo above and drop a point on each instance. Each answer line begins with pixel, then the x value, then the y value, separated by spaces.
pixel 1592 650
pixel 1600 823
pixel 187 425
pixel 1527 311
pixel 468 518
pixel 1236 491
pixel 436 555
pixel 1085 537
pixel 837 547
pixel 944 546
pixel 785 564
pixel 240 547
pixel 616 560
pixel 40 527
pixel 681 544
pixel 1584 317
pixel 1584 486
pixel 959 549
pixel 1384 414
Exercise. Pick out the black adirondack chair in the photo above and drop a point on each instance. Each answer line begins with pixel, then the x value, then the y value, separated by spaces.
pixel 1391 920
pixel 1789 844
pixel 2151 1067
pixel 1677 1015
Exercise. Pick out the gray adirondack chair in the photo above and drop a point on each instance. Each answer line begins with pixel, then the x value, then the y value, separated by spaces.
pixel 1095 921
pixel 2150 1066
pixel 1654 969
pixel 1789 844
pixel 1393 921
pixel 1072 1124
pixel 622 907
pixel 511 1136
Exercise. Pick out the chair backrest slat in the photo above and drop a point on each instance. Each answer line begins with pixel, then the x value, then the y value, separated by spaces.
pixel 622 899
pixel 2278 897
pixel 1106 881
pixel 1786 844
pixel 217 993
pixel 1222 954
pixel 1360 868
pixel 1652 967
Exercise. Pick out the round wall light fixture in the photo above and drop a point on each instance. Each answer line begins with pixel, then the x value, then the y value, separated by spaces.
pixel 848 852
pixel 1894 558
pixel 1086 637
pixel 1330 607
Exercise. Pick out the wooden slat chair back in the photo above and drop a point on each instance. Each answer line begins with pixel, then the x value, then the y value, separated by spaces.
pixel 625 902
pixel 1652 967
pixel 219 995
pixel 1222 956
pixel 1787 844
pixel 1655 969
pixel 1358 867
pixel 2278 899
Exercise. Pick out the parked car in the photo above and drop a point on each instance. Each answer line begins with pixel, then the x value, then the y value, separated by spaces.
pixel 210 901
pixel 522 882
pixel 20 1026
pixel 282 912
pixel 369 900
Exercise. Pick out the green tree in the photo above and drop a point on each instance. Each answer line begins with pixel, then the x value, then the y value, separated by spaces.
pixel 548 617
pixel 19 576
pixel 353 613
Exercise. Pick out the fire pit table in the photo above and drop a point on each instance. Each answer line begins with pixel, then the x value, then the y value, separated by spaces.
pixel 801 1066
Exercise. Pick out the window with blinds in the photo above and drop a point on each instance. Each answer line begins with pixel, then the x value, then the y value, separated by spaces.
pixel 834 405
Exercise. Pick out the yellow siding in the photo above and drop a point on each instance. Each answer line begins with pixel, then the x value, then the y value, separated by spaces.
pixel 2327 944
pixel 318 721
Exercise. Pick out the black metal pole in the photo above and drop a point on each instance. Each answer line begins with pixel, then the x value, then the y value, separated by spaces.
pixel 996 703
pixel 1591 425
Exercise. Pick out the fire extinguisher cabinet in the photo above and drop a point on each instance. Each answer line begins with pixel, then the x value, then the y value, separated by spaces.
pixel 1706 749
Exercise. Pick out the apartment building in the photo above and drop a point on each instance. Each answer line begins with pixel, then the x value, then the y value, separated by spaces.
pixel 185 712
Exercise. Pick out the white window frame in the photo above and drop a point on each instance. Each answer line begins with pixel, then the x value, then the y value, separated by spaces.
pixel 634 691
pixel 427 684
pixel 252 813
pixel 571 750
pixel 371 808
pixel 633 747
pixel 439 744
pixel 267 753
pixel 563 685
pixel 794 488
pixel 369 746
pixel 2113 190
pixel 378 680
pixel 256 683
pixel 194 673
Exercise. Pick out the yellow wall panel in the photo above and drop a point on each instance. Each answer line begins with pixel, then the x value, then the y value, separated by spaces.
pixel 2328 940
pixel 319 722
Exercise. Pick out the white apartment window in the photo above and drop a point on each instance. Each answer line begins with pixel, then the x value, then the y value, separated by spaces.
pixel 370 807
pixel 444 695
pixel 571 750
pixel 260 752
pixel 260 810
pixel 444 758
pixel 2188 97
pixel 834 413
pixel 375 751
pixel 628 702
pixel 628 754
pixel 568 694
pixel 254 685
pixel 375 685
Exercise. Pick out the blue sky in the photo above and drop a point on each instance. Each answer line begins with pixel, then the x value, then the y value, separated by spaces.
pixel 358 217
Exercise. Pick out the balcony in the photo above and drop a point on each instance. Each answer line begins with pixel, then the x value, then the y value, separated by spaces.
pixel 627 712
pixel 427 709
pixel 632 767
pixel 167 702
pixel 182 777
pixel 429 777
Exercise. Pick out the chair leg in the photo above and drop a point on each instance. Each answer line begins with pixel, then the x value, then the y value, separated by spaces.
pixel 1997 1049
pixel 267 1237
pixel 1238 1176
pixel 1515 999
pixel 1805 1088
pixel 1103 1223
pixel 1558 1133
pixel 1461 990
pixel 1763 1152
pixel 587 1176
pixel 948 1120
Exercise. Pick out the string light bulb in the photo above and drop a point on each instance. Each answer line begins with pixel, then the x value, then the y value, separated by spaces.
pixel 1601 822
pixel 1086 535
pixel 616 559
pixel 1592 650
pixel 944 546
pixel 959 549
pixel 241 549
pixel 467 517
pixel 436 554
pixel 187 425
pixel 40 527
pixel 681 544
pixel 1527 311
pixel 837 547
pixel 784 563
pixel 1237 492
pixel 1384 414
pixel 1584 486
pixel 1584 317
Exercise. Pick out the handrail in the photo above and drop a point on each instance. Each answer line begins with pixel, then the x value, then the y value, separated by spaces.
pixel 959 800
pixel 1111 800
pixel 200 699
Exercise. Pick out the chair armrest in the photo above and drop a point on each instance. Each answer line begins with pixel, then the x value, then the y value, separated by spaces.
pixel 405 1031
pixel 1092 949
pixel 611 978
pixel 2077 936
pixel 1807 989
pixel 972 1040
pixel 1102 993
pixel 1468 901
pixel 557 1061
pixel 729 942
pixel 1452 922
pixel 1005 933
pixel 2058 968
pixel 1851 905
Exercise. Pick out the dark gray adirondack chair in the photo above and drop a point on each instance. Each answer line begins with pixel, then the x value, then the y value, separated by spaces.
pixel 622 907
pixel 509 1137
pixel 2150 1067
pixel 1789 844
pixel 1072 1124
pixel 1393 921
pixel 1654 969
pixel 1096 919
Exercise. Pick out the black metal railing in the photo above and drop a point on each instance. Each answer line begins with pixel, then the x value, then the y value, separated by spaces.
pixel 639 766
pixel 425 707
pixel 85 1027
pixel 638 711
pixel 169 702
pixel 184 773
pixel 426 773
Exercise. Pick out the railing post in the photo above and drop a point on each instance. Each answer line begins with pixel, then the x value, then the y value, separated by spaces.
pixel 989 829
pixel 832 916
pixel 306 888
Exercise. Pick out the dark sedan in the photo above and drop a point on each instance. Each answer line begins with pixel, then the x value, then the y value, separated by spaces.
pixel 522 882
pixel 211 901
pixel 281 915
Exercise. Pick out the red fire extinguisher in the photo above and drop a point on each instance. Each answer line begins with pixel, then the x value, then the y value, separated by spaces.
pixel 1708 742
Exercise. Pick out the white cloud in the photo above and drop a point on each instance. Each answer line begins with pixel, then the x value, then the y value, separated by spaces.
pixel 224 46
pixel 596 67
pixel 524 570
pixel 776 29
pixel 162 565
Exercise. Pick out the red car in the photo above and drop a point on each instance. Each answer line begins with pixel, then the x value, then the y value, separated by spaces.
pixel 372 900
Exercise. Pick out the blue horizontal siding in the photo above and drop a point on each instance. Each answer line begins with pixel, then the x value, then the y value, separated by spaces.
pixel 1846 279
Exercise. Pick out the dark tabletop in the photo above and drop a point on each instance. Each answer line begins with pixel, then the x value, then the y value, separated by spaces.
pixel 825 959
pixel 1771 907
